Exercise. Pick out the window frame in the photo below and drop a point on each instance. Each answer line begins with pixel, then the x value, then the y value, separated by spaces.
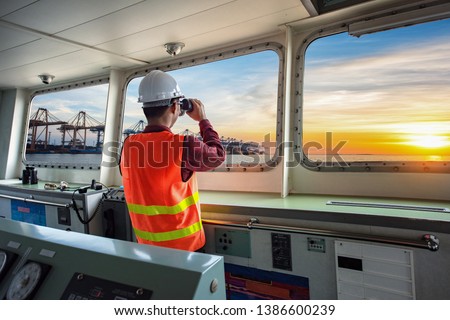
pixel 220 55
pixel 359 166
pixel 60 88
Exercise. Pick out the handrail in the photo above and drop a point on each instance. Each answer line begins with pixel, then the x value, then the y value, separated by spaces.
pixel 428 241
pixel 67 205
pixel 387 206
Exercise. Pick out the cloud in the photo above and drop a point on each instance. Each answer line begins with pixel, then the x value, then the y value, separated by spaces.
pixel 64 105
pixel 380 92
pixel 401 68
pixel 239 94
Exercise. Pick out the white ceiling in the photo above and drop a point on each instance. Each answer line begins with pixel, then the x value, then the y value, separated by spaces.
pixel 74 39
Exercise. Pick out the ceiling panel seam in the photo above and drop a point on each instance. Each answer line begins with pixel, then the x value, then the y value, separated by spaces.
pixel 67 41
pixel 99 17
pixel 165 23
pixel 19 9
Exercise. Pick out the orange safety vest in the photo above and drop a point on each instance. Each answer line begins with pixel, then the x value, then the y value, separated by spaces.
pixel 164 210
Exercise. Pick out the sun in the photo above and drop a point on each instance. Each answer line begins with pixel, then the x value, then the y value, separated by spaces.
pixel 429 141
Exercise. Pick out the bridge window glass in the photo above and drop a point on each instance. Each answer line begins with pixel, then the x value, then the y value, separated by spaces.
pixel 240 95
pixel 378 99
pixel 66 127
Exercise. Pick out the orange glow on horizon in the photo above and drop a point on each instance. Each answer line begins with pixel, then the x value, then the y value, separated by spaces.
pixel 429 141
pixel 375 143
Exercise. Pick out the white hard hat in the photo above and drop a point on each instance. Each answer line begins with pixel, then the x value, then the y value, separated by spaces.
pixel 158 89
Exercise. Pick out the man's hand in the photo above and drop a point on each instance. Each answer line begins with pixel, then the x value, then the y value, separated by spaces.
pixel 198 110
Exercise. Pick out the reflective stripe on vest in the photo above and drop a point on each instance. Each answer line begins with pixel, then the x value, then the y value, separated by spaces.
pixel 169 235
pixel 157 210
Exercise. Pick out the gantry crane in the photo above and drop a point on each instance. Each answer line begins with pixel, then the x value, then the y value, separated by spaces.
pixel 138 127
pixel 76 129
pixel 42 118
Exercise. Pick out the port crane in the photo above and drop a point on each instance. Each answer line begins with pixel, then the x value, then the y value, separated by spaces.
pixel 42 118
pixel 138 127
pixel 76 129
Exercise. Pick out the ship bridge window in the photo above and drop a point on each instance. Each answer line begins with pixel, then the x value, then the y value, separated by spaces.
pixel 66 126
pixel 241 98
pixel 380 102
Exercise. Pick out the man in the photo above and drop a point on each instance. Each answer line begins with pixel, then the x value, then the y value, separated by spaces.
pixel 158 168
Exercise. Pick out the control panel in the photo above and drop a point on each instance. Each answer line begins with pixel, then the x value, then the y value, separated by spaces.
pixel 65 209
pixel 37 262
pixel 233 242
pixel 316 244
pixel 281 251
pixel 85 287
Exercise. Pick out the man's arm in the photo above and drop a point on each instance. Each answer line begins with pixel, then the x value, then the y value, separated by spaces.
pixel 203 155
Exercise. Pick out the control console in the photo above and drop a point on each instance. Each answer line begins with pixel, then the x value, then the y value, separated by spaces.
pixel 38 262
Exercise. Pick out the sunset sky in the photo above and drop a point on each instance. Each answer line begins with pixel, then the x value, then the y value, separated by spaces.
pixel 384 93
pixel 239 94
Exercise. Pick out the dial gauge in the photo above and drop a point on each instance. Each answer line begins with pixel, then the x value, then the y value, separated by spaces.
pixel 3 259
pixel 24 282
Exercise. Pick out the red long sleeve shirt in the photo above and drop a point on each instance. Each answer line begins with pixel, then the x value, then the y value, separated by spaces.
pixel 197 155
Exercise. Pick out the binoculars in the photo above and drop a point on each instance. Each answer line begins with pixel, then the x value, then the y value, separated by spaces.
pixel 29 176
pixel 186 105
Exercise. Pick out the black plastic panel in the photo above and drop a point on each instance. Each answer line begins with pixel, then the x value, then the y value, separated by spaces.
pixel 281 251
pixel 10 258
pixel 350 263
pixel 85 287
